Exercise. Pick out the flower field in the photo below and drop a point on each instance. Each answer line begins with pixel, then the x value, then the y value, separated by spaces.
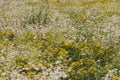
pixel 59 39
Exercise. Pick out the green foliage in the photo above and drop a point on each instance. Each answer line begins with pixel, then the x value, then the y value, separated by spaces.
pixel 40 16
pixel 89 59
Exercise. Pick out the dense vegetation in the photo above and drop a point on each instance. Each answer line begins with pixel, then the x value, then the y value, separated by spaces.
pixel 59 40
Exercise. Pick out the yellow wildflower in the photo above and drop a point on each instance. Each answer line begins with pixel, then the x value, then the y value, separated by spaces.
pixel 55 50
pixel 74 64
pixel 116 78
pixel 81 70
pixel 30 73
pixel 47 64
pixel 92 70
pixel 91 61
pixel 67 43
pixel 101 52
pixel 81 61
pixel 62 52
pixel 40 65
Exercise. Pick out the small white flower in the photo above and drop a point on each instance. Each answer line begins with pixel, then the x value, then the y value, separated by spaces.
pixel 25 68
pixel 3 74
pixel 58 62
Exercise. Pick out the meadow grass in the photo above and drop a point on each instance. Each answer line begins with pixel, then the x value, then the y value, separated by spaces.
pixel 59 40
